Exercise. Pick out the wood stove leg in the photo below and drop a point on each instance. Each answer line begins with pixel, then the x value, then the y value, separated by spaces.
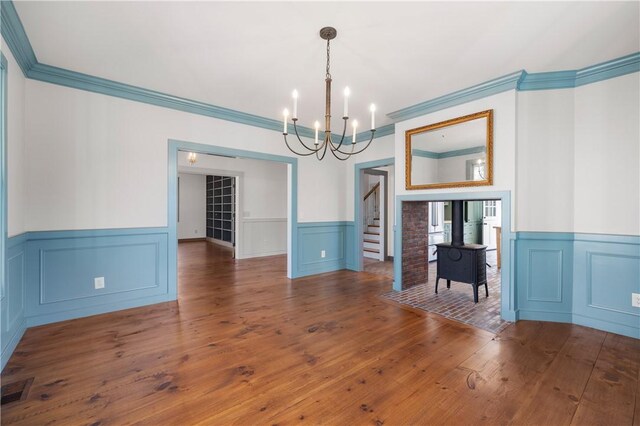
pixel 486 289
pixel 448 283
pixel 437 279
pixel 475 293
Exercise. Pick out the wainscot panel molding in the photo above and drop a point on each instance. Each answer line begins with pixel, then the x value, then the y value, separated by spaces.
pixel 350 246
pixel 263 237
pixel 606 272
pixel 313 237
pixel 585 279
pixel 13 296
pixel 544 265
pixel 61 267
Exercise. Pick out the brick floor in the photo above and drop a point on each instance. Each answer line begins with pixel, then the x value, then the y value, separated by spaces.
pixel 455 303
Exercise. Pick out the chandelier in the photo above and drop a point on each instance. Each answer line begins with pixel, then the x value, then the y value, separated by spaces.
pixel 192 158
pixel 339 150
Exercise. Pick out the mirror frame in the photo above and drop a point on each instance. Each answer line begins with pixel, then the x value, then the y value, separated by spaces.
pixel 488 114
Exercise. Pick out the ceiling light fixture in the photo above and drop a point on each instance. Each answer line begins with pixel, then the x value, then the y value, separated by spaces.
pixel 320 149
pixel 192 158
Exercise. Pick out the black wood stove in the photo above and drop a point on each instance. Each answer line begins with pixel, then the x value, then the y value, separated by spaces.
pixel 457 261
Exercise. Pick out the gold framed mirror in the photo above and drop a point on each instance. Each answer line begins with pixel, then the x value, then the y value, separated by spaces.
pixel 452 153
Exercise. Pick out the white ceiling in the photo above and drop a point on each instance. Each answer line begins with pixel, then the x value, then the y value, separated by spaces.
pixel 249 56
pixel 469 134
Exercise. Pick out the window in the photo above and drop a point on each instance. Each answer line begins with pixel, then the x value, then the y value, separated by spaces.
pixel 490 208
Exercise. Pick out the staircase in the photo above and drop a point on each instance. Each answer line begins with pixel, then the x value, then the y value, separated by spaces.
pixel 371 240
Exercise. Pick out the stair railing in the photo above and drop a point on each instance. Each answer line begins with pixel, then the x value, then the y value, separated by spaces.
pixel 372 204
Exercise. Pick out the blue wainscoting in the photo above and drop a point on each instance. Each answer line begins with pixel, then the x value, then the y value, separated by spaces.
pixel 332 237
pixel 13 296
pixel 584 279
pixel 544 275
pixel 606 271
pixel 62 265
pixel 350 246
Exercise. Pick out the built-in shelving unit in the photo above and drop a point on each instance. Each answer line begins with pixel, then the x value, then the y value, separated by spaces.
pixel 221 208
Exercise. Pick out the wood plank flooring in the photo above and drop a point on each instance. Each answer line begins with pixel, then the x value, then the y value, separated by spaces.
pixel 244 345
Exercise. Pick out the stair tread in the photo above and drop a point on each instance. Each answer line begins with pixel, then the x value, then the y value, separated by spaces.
pixel 372 233
pixel 372 241
pixel 371 250
pixel 375 226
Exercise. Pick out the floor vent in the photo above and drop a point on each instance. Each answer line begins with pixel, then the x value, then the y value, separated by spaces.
pixel 16 391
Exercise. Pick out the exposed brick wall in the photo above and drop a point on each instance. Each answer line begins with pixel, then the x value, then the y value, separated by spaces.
pixel 415 260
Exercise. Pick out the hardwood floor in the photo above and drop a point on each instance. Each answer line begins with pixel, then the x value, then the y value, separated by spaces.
pixel 244 345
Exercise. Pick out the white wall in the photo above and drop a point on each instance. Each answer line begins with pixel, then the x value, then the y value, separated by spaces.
pixel 454 169
pixel 16 186
pixel 424 170
pixel 607 156
pixel 545 161
pixel 504 144
pixel 578 158
pixel 192 219
pixel 84 169
pixel 261 191
pixel 264 183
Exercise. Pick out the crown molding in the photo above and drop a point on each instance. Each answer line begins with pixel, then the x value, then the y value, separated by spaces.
pixel 482 90
pixel 575 78
pixel 547 80
pixel 63 77
pixel 448 154
pixel 609 69
pixel 13 32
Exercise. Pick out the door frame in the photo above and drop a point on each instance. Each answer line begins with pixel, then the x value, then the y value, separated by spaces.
pixel 507 278
pixel 384 219
pixel 357 206
pixel 172 202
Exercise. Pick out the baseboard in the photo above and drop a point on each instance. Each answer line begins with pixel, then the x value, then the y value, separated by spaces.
pixel 261 254
pixel 551 316
pixel 608 326
pixel 36 320
pixel 390 258
pixel 13 343
pixel 220 242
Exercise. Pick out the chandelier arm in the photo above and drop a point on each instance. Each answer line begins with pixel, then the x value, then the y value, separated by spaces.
pixel 324 151
pixel 295 127
pixel 373 131
pixel 344 131
pixel 297 153
pixel 340 158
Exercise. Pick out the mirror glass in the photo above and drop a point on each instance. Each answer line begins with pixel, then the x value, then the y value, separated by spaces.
pixel 451 153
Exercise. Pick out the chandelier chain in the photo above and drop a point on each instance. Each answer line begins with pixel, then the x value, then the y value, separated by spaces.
pixel 321 146
pixel 328 59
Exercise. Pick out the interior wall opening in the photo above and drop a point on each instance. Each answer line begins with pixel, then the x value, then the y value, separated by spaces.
pixel 231 208
pixel 377 211
pixel 452 260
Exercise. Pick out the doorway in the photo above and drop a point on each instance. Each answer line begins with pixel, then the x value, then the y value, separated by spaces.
pixel 507 292
pixel 383 167
pixel 455 249
pixel 290 200
pixel 377 194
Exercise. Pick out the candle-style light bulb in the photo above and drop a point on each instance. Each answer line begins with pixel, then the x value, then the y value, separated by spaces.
pixel 355 127
pixel 295 104
pixel 317 126
pixel 347 92
pixel 285 113
pixel 372 108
